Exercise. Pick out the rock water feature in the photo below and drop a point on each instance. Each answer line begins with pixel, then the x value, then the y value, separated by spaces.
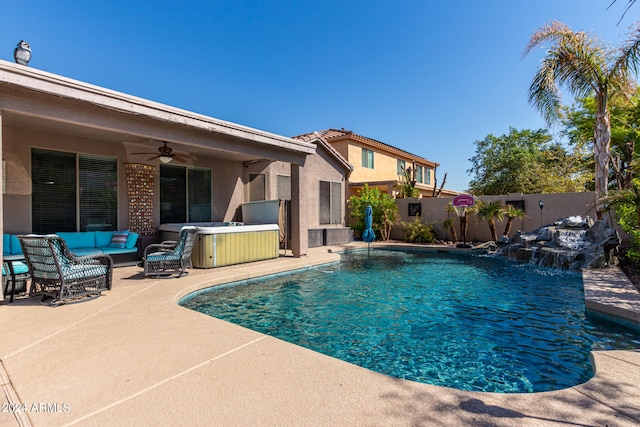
pixel 571 243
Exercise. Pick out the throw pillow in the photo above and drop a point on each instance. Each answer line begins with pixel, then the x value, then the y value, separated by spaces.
pixel 119 239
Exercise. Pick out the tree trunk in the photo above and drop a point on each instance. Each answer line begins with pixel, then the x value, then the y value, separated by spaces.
pixel 601 150
pixel 463 227
pixel 492 228
pixel 507 227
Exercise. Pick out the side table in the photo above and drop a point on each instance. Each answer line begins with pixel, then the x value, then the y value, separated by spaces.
pixel 9 260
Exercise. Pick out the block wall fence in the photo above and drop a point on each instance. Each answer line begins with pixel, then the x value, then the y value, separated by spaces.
pixel 557 205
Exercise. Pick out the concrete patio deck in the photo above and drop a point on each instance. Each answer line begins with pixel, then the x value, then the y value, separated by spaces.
pixel 133 357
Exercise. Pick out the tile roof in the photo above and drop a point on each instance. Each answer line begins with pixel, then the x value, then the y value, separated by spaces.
pixel 331 135
pixel 315 137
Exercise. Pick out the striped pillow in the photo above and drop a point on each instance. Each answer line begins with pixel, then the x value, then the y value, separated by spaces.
pixel 119 239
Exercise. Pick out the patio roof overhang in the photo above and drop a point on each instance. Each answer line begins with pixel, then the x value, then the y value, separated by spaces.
pixel 38 100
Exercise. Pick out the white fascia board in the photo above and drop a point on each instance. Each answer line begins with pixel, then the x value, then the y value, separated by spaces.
pixel 54 84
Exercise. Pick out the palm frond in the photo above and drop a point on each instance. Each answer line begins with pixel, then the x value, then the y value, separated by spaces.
pixel 548 33
pixel 628 57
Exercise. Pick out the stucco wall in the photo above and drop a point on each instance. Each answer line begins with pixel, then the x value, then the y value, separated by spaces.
pixel 555 206
pixel 320 167
pixel 227 188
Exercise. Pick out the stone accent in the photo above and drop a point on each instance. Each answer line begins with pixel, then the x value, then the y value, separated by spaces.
pixel 571 243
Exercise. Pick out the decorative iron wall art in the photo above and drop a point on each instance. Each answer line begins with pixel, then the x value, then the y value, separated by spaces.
pixel 140 192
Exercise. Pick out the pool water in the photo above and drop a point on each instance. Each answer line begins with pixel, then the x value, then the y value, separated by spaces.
pixel 466 322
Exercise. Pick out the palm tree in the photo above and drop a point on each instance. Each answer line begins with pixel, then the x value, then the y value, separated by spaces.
pixel 587 67
pixel 449 224
pixel 489 212
pixel 511 212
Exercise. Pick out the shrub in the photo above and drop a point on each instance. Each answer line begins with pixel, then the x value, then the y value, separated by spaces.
pixel 418 232
pixel 385 211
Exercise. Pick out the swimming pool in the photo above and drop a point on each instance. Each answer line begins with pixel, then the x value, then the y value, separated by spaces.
pixel 467 322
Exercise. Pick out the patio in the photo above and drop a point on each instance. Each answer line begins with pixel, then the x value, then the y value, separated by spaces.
pixel 134 357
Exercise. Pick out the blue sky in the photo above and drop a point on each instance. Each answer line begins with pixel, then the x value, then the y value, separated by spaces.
pixel 430 77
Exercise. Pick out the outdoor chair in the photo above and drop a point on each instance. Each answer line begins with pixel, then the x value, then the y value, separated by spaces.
pixel 170 257
pixel 57 273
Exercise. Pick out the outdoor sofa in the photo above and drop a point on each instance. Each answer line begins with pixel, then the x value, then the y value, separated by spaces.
pixel 122 246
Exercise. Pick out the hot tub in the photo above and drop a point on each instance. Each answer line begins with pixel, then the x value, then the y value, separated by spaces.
pixel 218 244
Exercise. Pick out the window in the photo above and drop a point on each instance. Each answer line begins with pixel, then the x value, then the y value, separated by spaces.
pixel 257 187
pixel 401 167
pixel 73 192
pixel 330 202
pixel 427 176
pixel 419 174
pixel 284 187
pixel 185 194
pixel 367 158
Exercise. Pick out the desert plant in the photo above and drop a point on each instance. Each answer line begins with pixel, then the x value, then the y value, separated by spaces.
pixel 511 212
pixel 418 232
pixel 449 224
pixel 407 185
pixel 489 212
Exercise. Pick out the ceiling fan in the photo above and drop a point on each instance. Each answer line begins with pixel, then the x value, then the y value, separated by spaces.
pixel 166 155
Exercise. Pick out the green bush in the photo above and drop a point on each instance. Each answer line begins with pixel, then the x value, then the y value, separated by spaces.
pixel 418 232
pixel 385 211
pixel 627 215
pixel 626 206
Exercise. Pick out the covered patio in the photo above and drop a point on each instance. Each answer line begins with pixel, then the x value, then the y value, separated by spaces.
pixel 47 114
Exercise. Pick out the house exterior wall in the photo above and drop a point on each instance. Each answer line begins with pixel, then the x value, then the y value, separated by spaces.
pixel 319 167
pixel 322 167
pixel 384 173
pixel 227 185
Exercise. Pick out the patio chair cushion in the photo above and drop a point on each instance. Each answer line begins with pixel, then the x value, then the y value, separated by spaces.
pixel 112 251
pixel 119 239
pixel 162 256
pixel 6 244
pixel 19 267
pixel 16 249
pixel 80 270
pixel 132 239
pixel 78 239
pixel 103 240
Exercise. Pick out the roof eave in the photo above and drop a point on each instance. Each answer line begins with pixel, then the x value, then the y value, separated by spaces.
pixel 56 85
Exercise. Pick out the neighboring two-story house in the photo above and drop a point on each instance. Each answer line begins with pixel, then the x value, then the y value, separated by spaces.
pixel 378 164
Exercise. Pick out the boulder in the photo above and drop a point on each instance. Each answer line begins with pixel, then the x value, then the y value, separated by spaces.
pixel 571 243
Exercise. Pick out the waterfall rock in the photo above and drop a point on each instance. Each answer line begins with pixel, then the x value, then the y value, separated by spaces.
pixel 571 243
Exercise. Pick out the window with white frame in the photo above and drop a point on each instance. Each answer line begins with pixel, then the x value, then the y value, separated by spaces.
pixel 73 192
pixel 427 176
pixel 330 202
pixel 367 158
pixel 401 167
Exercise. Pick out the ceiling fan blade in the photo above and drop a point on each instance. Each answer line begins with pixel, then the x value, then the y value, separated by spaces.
pixel 183 157
pixel 146 152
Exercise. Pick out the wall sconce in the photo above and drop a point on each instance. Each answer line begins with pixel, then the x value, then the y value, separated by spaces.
pixel 541 204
